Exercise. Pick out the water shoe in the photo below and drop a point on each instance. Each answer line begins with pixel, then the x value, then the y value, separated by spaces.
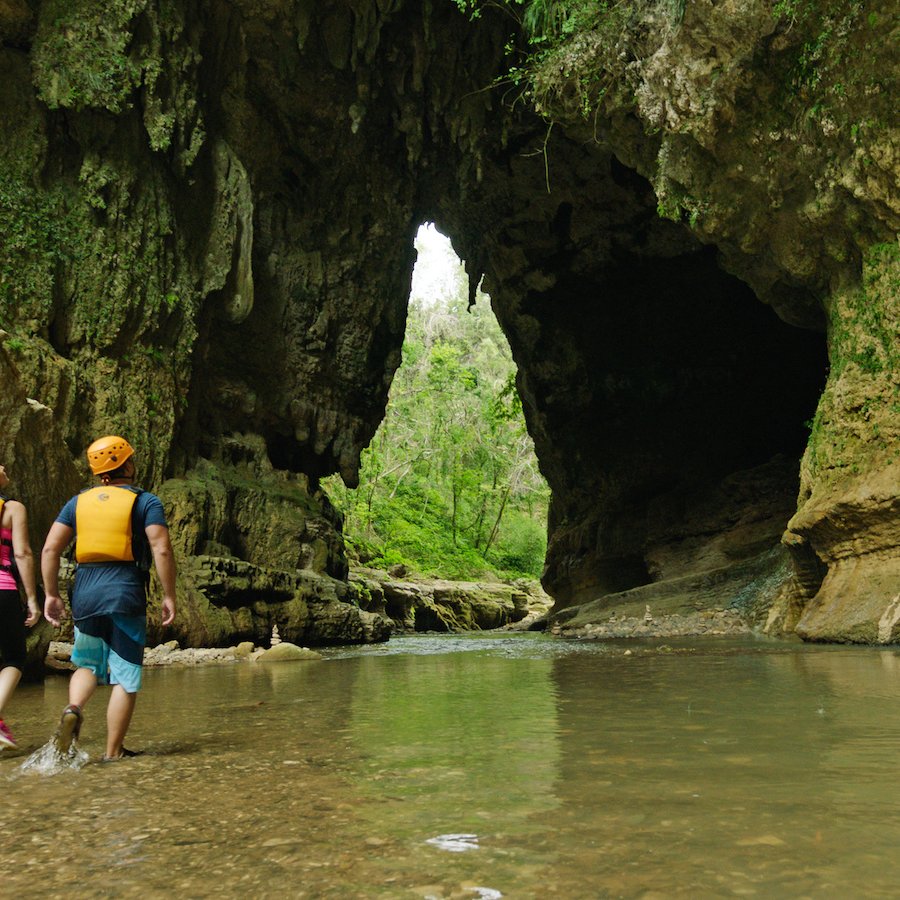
pixel 125 754
pixel 69 727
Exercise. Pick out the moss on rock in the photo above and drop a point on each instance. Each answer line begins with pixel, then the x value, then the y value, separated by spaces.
pixel 856 427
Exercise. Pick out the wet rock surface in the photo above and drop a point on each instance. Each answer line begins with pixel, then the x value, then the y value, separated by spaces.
pixel 415 604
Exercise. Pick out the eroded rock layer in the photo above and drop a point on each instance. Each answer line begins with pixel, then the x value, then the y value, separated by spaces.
pixel 208 212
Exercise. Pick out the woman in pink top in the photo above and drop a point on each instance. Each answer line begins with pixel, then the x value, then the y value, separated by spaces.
pixel 13 619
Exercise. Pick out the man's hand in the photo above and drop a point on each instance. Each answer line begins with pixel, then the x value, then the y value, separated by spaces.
pixel 34 613
pixel 54 610
pixel 168 610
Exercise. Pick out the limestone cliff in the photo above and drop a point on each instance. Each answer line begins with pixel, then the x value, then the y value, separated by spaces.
pixel 687 224
pixel 768 131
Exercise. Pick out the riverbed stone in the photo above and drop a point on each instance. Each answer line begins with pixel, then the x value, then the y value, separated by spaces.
pixel 243 650
pixel 287 652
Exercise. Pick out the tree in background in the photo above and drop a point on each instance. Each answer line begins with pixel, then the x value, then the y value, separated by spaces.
pixel 450 484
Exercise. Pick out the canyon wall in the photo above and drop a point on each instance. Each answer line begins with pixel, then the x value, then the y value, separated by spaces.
pixel 688 228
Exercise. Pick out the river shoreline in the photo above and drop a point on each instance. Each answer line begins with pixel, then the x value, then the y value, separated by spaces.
pixel 59 654
pixel 711 622
pixel 707 623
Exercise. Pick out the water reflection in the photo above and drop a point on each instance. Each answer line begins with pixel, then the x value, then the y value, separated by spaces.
pixel 477 767
pixel 460 752
pixel 692 773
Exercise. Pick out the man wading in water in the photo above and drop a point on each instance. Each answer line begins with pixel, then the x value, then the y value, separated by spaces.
pixel 116 528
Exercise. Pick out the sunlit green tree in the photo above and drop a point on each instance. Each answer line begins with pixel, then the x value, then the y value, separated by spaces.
pixel 450 484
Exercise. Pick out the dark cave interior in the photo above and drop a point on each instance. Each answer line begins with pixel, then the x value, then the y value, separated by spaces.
pixel 685 415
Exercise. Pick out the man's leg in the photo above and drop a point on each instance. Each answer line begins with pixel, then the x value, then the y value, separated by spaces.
pixel 81 687
pixel 118 718
pixel 126 657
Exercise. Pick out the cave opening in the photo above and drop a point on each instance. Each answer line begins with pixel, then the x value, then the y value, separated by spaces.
pixel 678 449
pixel 449 485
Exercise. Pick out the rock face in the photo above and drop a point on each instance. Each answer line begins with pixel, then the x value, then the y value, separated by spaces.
pixel 764 137
pixel 448 606
pixel 208 212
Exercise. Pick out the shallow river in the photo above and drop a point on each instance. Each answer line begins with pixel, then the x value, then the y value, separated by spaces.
pixel 515 766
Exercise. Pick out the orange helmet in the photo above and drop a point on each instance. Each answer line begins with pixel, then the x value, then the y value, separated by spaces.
pixel 108 453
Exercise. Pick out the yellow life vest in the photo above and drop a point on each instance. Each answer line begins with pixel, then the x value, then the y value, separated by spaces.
pixel 103 525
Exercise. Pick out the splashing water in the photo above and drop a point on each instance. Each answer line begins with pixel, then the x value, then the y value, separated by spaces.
pixel 455 843
pixel 48 760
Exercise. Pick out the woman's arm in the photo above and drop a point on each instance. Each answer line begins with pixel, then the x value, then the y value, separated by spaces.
pixel 24 558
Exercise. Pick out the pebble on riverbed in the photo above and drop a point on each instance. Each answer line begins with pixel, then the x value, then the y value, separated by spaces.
pixel 171 654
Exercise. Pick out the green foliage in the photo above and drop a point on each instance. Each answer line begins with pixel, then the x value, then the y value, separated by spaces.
pixel 524 545
pixel 449 485
pixel 82 55
pixel 863 330
pixel 856 421
pixel 94 178
pixel 38 235
pixel 103 239
pixel 548 23
pixel 543 62
pixel 821 84
pixel 117 55
pixel 814 51
pixel 571 57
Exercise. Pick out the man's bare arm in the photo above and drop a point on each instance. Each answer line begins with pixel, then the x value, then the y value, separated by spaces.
pixel 58 539
pixel 164 560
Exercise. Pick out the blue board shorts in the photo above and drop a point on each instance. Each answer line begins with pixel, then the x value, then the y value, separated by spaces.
pixel 112 647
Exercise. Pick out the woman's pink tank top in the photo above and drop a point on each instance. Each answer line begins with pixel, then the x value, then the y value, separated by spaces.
pixel 7 582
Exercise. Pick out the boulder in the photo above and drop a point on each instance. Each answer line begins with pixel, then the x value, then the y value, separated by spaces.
pixel 287 652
